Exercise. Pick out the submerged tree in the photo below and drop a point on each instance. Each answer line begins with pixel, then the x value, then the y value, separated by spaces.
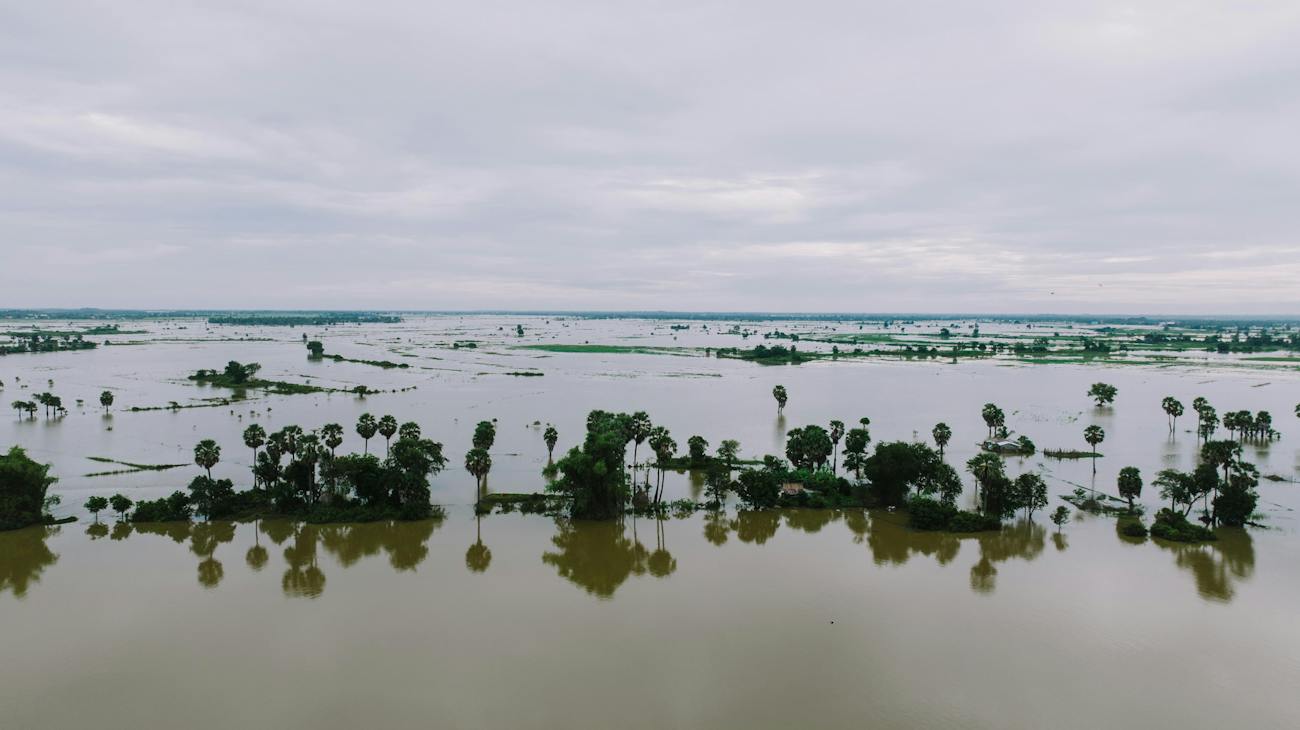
pixel 781 397
pixel 1129 484
pixel 254 438
pixel 121 505
pixel 95 505
pixel 1060 517
pixel 942 435
pixel 1103 393
pixel 593 474
pixel 1030 493
pixel 551 437
pixel 1094 435
pixel 993 417
pixel 1173 408
pixel 106 400
pixel 478 462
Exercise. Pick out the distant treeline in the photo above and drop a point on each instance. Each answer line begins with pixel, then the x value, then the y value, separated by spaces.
pixel 306 320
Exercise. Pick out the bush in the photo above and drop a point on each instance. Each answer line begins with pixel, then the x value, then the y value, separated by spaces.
pixel 1133 528
pixel 973 522
pixel 23 484
pixel 1170 525
pixel 924 513
pixel 175 508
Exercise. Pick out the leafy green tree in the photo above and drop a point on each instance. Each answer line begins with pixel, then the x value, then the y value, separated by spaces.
pixel 387 427
pixel 366 428
pixel 855 450
pixel 809 447
pixel 1030 493
pixel 1173 408
pixel 1175 486
pixel 211 497
pixel 485 434
pixel 836 433
pixel 551 437
pixel 898 467
pixel 593 474
pixel 478 462
pixel 1060 517
pixel 728 451
pixel 697 450
pixel 781 397
pixel 1103 393
pixel 410 431
pixel 106 400
pixel 207 454
pixel 121 505
pixel 1207 422
pixel 315 349
pixel 942 435
pixel 1129 484
pixel 997 491
pixel 95 505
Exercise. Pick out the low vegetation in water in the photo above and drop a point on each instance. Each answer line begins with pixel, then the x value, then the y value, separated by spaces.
pixel 244 376
pixel 303 319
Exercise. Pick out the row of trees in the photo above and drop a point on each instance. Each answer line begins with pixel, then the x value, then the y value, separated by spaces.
pixel 1242 424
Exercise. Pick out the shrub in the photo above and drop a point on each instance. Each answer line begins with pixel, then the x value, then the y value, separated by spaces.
pixel 23 484
pixel 175 508
pixel 1170 525
pixel 928 514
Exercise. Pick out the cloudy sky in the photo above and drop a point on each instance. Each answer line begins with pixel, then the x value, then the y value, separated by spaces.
pixel 1040 155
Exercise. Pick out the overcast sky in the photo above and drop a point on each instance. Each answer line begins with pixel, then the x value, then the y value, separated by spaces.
pixel 776 156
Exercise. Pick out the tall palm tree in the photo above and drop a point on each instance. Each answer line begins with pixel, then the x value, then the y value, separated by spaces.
pixel 551 437
pixel 332 436
pixel 409 431
pixel 1173 408
pixel 836 433
pixel 106 400
pixel 387 427
pixel 367 426
pixel 478 462
pixel 254 438
pixel 639 429
pixel 1094 435
pixel 942 435
pixel 206 454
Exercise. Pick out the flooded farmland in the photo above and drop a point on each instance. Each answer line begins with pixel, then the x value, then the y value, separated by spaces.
pixel 697 619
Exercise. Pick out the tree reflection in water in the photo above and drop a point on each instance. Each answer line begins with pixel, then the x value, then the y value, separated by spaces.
pixel 257 556
pixel 303 578
pixel 204 539
pixel 97 530
pixel 756 526
pixel 478 557
pixel 599 557
pixel 1218 565
pixel 717 527
pixel 23 557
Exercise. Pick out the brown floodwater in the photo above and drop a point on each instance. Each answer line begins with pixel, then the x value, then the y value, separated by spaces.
pixel 751 619
pixel 739 619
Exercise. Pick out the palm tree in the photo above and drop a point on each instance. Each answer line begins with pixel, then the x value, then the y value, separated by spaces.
pixel 478 462
pixel 993 417
pixel 1173 409
pixel 19 406
pixel 387 427
pixel 781 397
pixel 254 438
pixel 409 431
pixel 1094 435
pixel 332 435
pixel 206 454
pixel 292 436
pixel 366 428
pixel 639 429
pixel 106 400
pixel 550 436
pixel 836 433
pixel 942 435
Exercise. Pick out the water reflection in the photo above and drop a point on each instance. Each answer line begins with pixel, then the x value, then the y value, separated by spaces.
pixel 303 578
pixel 24 557
pixel 756 527
pixel 478 557
pixel 1216 566
pixel 596 556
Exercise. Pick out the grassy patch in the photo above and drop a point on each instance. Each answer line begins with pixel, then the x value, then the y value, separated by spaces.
pixel 612 349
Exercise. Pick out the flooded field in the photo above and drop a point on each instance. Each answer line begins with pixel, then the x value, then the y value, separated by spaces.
pixel 759 619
